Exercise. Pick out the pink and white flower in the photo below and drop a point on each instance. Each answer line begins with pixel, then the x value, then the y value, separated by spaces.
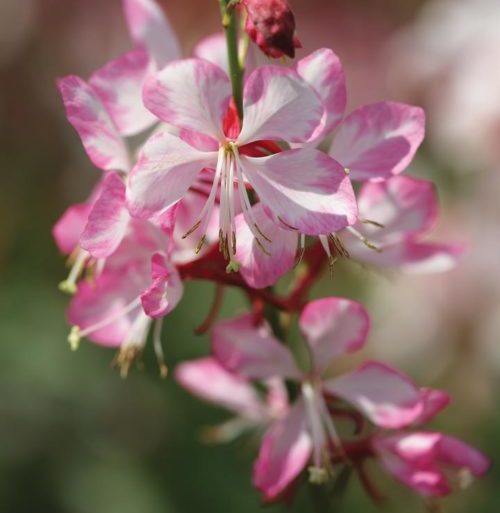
pixel 333 328
pixel 209 380
pixel 429 462
pixel 394 216
pixel 194 95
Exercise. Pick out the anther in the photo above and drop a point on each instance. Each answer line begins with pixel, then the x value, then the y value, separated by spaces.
pixel 374 223
pixel 191 230
pixel 68 287
pixel 74 338
pixel 318 475
pixel 287 225
pixel 200 244
pixel 347 171
pixel 261 234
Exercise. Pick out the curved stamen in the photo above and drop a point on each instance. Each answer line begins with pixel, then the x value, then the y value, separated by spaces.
pixel 69 284
pixel 364 240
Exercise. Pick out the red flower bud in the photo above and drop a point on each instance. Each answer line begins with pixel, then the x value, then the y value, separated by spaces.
pixel 271 25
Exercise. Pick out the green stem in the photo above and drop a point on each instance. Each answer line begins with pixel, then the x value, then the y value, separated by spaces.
pixel 230 24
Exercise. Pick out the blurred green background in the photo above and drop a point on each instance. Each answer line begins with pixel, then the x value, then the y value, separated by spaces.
pixel 74 437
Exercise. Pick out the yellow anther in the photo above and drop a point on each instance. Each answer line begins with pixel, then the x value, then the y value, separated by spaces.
pixel 233 267
pixel 74 338
pixel 318 475
pixel 68 287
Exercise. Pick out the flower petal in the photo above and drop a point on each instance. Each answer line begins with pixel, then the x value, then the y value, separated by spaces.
pixel 386 396
pixel 416 460
pixel 101 302
pixel 213 49
pixel 166 168
pixel 166 290
pixel 258 268
pixel 409 256
pixel 191 94
pixel 333 327
pixel 279 105
pixel 119 86
pixel 108 220
pixel 67 230
pixel 99 135
pixel 403 205
pixel 323 71
pixel 284 452
pixel 434 401
pixel 150 28
pixel 303 189
pixel 207 379
pixel 251 351
pixel 378 141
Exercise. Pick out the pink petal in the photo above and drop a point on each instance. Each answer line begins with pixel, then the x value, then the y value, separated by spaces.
pixel 333 327
pixel 99 135
pixel 97 302
pixel 434 402
pixel 408 256
pixel 323 71
pixel 166 290
pixel 150 28
pixel 423 460
pixel 213 49
pixel 166 168
pixel 380 140
pixel 279 105
pixel 304 190
pixel 192 94
pixel 258 268
pixel 252 351
pixel 284 452
pixel 67 230
pixel 207 379
pixel 119 86
pixel 403 205
pixel 108 220
pixel 386 396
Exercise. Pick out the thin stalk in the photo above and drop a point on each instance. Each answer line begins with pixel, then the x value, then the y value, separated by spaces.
pixel 230 24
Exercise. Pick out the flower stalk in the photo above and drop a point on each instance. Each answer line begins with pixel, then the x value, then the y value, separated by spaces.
pixel 230 25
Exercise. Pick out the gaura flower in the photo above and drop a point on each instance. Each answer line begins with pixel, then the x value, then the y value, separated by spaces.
pixel 394 216
pixel 209 380
pixel 332 327
pixel 302 189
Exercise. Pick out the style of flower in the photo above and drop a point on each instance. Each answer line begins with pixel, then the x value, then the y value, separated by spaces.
pixel 332 327
pixel 194 95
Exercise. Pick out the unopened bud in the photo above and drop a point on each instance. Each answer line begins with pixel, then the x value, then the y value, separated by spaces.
pixel 271 25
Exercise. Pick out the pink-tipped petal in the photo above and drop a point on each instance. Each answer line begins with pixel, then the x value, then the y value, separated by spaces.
pixel 96 303
pixel 284 453
pixel 166 168
pixel 386 396
pixel 380 140
pixel 258 268
pixel 434 402
pixel 303 190
pixel 191 94
pixel 67 230
pixel 333 327
pixel 207 379
pixel 403 205
pixel 252 351
pixel 98 133
pixel 323 71
pixel 166 290
pixel 213 49
pixel 424 461
pixel 119 86
pixel 279 105
pixel 150 28
pixel 108 220
pixel 409 256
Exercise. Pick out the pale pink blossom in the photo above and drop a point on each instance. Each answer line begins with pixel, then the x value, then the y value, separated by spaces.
pixel 332 328
pixel 194 96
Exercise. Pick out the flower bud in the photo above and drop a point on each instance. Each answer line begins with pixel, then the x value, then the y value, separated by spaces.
pixel 271 25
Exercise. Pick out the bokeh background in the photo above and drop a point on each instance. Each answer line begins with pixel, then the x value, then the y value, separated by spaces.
pixel 74 437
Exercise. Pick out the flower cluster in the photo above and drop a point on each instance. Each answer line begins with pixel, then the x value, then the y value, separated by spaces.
pixel 239 187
